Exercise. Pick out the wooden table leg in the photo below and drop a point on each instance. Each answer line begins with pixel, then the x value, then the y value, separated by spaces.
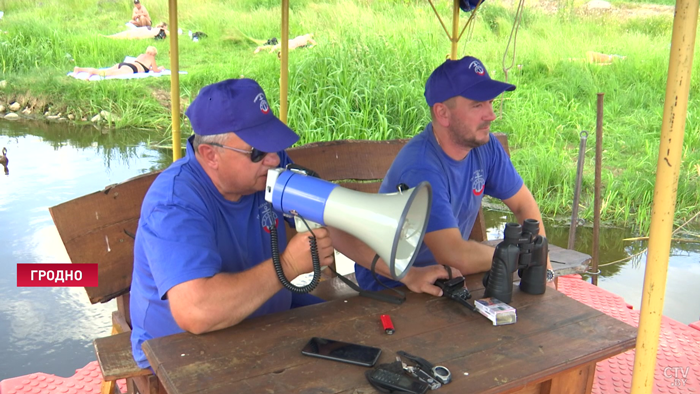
pixel 578 380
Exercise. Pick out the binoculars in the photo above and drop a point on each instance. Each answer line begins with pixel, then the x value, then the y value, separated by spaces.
pixel 524 250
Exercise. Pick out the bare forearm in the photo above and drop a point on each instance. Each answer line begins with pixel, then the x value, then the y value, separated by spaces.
pixel 471 257
pixel 226 299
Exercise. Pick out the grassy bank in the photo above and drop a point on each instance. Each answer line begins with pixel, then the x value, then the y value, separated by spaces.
pixel 365 79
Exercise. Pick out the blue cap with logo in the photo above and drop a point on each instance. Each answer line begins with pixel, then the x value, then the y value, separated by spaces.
pixel 239 106
pixel 466 77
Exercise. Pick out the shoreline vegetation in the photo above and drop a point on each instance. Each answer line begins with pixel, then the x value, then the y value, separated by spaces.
pixel 365 78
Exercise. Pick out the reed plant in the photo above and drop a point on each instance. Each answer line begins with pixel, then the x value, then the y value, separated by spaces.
pixel 365 79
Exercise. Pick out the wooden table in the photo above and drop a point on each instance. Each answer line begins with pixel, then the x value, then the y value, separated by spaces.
pixel 552 348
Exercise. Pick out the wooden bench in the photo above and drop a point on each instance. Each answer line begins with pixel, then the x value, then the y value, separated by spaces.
pixel 100 228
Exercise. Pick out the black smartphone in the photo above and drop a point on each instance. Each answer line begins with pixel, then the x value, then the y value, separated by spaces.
pixel 342 351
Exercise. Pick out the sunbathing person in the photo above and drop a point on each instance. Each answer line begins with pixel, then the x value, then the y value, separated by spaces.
pixel 140 16
pixel 142 32
pixel 297 42
pixel 144 63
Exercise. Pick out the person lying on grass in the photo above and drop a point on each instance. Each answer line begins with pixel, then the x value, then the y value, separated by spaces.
pixel 142 32
pixel 144 63
pixel 297 42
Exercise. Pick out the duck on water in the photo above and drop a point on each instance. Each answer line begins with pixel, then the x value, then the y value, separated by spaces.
pixel 4 161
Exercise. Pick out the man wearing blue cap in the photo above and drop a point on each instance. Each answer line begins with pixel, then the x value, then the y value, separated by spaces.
pixel 202 255
pixel 460 158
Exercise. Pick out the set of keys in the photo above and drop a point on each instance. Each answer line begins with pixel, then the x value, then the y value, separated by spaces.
pixel 432 375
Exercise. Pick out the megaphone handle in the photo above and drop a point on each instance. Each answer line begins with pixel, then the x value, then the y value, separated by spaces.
pixel 278 264
pixel 383 297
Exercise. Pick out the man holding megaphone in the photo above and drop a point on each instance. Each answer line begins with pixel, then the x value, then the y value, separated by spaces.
pixel 202 254
pixel 462 161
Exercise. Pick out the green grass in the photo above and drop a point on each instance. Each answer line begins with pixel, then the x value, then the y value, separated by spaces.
pixel 365 80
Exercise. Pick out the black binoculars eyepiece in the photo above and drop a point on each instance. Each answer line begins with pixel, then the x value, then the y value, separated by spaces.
pixel 522 250
pixel 512 232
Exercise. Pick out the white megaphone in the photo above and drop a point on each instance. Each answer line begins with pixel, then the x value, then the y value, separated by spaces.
pixel 392 224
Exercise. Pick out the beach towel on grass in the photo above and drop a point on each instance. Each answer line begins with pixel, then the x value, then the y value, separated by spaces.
pixel 84 75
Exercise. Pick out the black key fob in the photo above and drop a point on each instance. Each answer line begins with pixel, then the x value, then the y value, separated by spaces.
pixel 391 382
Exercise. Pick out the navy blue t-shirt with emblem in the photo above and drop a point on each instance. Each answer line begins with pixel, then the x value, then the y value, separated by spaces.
pixel 187 231
pixel 458 187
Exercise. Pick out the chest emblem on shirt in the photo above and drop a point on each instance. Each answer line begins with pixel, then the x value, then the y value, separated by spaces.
pixel 268 218
pixel 478 182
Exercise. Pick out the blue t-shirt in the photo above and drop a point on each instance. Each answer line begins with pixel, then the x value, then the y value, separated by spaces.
pixel 458 187
pixel 187 231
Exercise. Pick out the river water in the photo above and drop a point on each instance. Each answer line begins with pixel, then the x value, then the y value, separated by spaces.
pixel 51 329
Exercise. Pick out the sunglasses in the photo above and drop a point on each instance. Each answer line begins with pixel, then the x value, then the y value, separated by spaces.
pixel 255 154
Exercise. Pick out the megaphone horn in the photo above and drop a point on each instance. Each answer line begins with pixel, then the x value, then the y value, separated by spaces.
pixel 392 224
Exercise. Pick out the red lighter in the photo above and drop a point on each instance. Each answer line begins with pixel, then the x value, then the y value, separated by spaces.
pixel 388 325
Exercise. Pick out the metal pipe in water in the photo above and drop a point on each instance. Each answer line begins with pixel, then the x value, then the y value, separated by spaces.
pixel 577 189
pixel 596 198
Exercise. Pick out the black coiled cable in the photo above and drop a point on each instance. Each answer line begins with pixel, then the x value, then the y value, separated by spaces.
pixel 278 265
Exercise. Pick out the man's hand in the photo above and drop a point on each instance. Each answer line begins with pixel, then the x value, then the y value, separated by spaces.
pixel 422 279
pixel 296 259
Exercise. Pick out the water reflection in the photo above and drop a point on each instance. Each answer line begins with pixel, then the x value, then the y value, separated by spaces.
pixel 626 278
pixel 51 329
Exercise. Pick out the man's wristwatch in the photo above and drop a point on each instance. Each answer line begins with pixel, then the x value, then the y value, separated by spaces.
pixel 550 275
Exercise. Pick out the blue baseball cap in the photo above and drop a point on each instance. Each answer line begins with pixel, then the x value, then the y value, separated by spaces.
pixel 239 106
pixel 468 5
pixel 466 77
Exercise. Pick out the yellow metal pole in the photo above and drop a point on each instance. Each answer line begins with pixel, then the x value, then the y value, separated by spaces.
pixel 284 60
pixel 174 80
pixel 664 204
pixel 439 19
pixel 455 30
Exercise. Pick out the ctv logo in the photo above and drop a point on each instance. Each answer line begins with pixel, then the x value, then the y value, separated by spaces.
pixel 56 275
pixel 677 375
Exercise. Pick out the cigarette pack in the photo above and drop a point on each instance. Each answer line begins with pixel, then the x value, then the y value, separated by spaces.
pixel 496 310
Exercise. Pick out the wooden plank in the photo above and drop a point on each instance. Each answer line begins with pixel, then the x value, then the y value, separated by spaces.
pixel 567 261
pixel 124 308
pixel 148 385
pixel 553 334
pixel 119 323
pixel 115 357
pixel 575 381
pixel 348 159
pixel 94 229
pixel 113 249
pixel 365 187
pixel 114 204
